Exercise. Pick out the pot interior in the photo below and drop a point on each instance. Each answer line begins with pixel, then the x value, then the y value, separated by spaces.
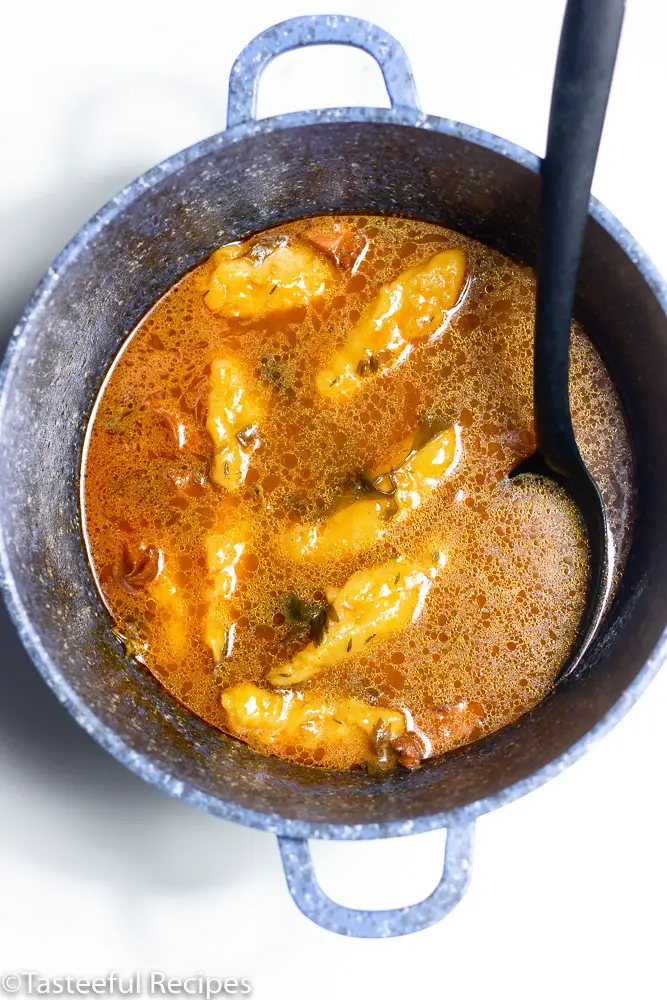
pixel 107 282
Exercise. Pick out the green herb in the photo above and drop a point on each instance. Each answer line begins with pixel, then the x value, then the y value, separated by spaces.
pixel 368 364
pixel 273 371
pixel 362 486
pixel 385 757
pixel 349 646
pixel 429 425
pixel 306 619
pixel 273 290
pixel 298 503
pixel 206 293
pixel 134 646
pixel 130 646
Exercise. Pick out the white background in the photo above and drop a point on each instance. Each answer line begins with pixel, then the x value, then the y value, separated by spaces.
pixel 99 871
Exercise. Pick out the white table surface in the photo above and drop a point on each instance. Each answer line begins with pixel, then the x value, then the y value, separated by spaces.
pixel 99 871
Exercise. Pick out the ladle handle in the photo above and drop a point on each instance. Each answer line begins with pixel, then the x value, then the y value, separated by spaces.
pixel 317 29
pixel 584 70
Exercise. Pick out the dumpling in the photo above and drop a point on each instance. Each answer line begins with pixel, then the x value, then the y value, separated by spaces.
pixel 274 274
pixel 233 414
pixel 305 719
pixel 363 522
pixel 223 554
pixel 412 307
pixel 372 605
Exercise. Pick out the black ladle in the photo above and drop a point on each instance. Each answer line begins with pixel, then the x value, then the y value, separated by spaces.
pixel 584 69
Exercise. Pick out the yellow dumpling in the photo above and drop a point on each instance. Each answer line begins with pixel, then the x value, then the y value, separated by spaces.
pixel 233 413
pixel 412 307
pixel 352 529
pixel 296 718
pixel 223 554
pixel 371 605
pixel 173 609
pixel 423 471
pixel 258 277
pixel 364 522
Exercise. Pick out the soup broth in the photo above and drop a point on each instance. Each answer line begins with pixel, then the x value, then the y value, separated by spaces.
pixel 296 501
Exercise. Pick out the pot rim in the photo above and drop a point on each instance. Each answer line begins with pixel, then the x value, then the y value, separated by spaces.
pixel 141 764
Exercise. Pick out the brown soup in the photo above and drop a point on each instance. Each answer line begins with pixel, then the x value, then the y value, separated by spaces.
pixel 296 501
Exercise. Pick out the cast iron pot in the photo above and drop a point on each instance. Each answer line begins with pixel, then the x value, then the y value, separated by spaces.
pixel 254 175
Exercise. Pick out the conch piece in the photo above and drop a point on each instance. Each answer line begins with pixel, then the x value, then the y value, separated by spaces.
pixel 412 307
pixel 304 719
pixel 263 276
pixel 339 239
pixel 184 430
pixel 372 605
pixel 223 554
pixel 363 522
pixel 232 422
pixel 137 565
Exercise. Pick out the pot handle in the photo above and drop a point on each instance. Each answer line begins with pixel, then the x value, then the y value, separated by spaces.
pixel 316 905
pixel 317 29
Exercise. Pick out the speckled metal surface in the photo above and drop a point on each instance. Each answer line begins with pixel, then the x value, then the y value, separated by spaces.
pixel 323 29
pixel 316 905
pixel 252 176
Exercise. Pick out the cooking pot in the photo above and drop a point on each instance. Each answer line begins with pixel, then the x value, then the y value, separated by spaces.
pixel 253 175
